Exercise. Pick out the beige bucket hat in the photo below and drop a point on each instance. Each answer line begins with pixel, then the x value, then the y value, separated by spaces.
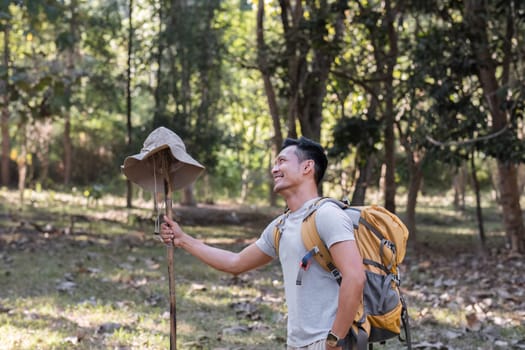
pixel 146 170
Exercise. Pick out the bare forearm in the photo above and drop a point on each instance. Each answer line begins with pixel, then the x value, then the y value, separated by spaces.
pixel 349 300
pixel 224 260
pixel 347 258
pixel 220 259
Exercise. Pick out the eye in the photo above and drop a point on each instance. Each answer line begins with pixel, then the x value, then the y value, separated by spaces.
pixel 279 160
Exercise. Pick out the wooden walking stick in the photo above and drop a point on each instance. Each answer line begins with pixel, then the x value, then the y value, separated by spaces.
pixel 165 160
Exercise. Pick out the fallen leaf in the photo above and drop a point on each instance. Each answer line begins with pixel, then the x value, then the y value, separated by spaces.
pixel 235 330
pixel 431 346
pixel 66 286
pixel 473 323
pixel 108 327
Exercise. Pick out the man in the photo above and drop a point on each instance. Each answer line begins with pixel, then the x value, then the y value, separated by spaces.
pixel 320 312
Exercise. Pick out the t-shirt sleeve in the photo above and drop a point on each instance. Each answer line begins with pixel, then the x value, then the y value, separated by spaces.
pixel 333 224
pixel 266 241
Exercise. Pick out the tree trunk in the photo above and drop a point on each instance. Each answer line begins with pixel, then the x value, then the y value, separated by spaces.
pixel 415 158
pixel 129 187
pixel 479 213
pixel 459 183
pixel 273 196
pixel 416 177
pixel 188 197
pixel 5 110
pixel 70 64
pixel 521 178
pixel 390 164
pixel 22 162
pixel 390 181
pixel 385 54
pixel 295 51
pixel 312 84
pixel 44 129
pixel 510 204
pixel 475 17
pixel 158 110
pixel 363 179
pixel 68 148
pixel 262 63
pixel 244 184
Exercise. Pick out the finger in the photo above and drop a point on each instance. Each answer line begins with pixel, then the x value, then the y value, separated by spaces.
pixel 168 220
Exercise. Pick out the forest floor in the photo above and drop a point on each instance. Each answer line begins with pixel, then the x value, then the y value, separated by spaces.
pixel 84 275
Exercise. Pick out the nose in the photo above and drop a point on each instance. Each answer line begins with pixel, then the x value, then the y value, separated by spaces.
pixel 275 168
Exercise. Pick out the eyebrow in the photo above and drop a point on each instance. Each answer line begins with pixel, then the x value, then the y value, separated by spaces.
pixel 280 157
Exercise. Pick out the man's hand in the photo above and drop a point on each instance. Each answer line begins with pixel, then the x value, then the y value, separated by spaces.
pixel 170 232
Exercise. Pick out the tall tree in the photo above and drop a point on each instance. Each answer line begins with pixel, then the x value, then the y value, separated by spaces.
pixel 392 12
pixel 189 78
pixel 380 21
pixel 453 62
pixel 159 109
pixel 5 90
pixel 477 27
pixel 129 141
pixel 265 67
pixel 368 62
pixel 28 77
pixel 436 99
pixel 312 39
pixel 71 55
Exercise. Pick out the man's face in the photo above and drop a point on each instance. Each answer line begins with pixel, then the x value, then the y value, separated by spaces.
pixel 286 170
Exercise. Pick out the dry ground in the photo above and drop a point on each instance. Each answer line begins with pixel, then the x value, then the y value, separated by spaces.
pixel 94 277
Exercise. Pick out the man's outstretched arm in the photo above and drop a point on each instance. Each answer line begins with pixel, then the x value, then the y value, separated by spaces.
pixel 223 260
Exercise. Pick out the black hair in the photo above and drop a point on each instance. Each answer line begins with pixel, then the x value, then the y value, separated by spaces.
pixel 308 149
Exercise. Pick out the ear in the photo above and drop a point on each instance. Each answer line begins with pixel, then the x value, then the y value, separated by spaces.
pixel 308 165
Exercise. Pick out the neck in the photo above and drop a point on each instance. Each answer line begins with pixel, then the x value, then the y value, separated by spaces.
pixel 296 199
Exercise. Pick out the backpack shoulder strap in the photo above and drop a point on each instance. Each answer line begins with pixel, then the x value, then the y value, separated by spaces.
pixel 313 243
pixel 278 230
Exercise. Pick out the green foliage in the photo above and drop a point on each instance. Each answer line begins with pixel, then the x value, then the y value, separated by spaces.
pixel 188 94
pixel 194 70
pixel 458 115
pixel 360 132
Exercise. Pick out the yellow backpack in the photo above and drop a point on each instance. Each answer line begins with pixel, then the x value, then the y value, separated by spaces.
pixel 381 238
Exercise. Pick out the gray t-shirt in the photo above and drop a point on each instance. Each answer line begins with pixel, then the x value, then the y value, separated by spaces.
pixel 311 306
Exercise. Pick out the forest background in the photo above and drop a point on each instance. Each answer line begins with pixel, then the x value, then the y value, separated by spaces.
pixel 408 97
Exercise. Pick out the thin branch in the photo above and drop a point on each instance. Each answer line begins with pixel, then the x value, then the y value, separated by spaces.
pixel 469 141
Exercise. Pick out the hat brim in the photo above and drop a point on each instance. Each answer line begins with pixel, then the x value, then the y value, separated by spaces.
pixel 146 170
